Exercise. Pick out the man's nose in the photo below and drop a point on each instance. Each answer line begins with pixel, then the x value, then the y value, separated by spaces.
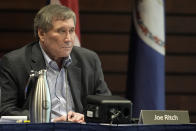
pixel 67 37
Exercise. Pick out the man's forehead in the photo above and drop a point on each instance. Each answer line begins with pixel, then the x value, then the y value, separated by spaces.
pixel 64 25
pixel 61 19
pixel 69 22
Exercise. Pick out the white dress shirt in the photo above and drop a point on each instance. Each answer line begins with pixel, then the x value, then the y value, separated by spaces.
pixel 61 98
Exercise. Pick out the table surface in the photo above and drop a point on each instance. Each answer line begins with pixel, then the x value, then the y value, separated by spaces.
pixel 94 127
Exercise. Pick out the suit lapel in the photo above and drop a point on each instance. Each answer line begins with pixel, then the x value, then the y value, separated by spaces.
pixel 37 62
pixel 37 59
pixel 74 77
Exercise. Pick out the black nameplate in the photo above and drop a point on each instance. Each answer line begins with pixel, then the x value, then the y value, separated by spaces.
pixel 164 117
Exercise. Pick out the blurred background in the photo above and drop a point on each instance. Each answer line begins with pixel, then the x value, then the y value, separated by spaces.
pixel 105 27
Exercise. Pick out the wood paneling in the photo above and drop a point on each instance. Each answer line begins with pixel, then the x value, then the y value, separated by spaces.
pixel 16 20
pixel 181 102
pixel 181 64
pixel 181 56
pixel 180 84
pixel 180 6
pixel 181 44
pixel 22 4
pixel 106 42
pixel 14 40
pixel 105 23
pixel 105 5
pixel 114 62
pixel 181 24
pixel 116 82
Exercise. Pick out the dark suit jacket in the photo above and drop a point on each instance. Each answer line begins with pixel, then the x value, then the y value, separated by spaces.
pixel 84 74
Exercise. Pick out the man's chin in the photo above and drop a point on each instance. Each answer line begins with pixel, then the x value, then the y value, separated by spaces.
pixel 66 54
pixel 67 50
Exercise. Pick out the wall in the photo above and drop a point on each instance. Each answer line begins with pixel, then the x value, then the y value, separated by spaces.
pixel 105 28
pixel 181 56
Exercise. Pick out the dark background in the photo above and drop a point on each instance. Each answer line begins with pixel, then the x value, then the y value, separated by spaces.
pixel 105 28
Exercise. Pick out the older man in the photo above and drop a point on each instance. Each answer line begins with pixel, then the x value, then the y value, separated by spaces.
pixel 72 72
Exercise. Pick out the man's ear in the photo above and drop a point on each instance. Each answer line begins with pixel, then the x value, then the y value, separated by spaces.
pixel 41 35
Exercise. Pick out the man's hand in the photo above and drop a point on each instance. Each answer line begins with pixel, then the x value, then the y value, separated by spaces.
pixel 71 117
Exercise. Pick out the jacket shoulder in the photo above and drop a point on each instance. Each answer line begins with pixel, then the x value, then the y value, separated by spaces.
pixel 83 52
pixel 18 54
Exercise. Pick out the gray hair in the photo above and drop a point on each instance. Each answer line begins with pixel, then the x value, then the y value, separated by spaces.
pixel 47 14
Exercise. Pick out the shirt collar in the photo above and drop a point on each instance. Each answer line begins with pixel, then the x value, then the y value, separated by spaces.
pixel 53 64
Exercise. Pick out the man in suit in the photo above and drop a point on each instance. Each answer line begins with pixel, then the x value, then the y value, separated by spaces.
pixel 72 72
